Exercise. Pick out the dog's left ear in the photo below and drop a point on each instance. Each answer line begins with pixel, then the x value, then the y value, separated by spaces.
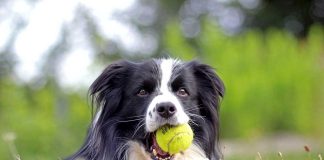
pixel 208 81
pixel 210 91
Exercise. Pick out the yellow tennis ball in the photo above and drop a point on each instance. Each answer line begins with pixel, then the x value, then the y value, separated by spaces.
pixel 174 139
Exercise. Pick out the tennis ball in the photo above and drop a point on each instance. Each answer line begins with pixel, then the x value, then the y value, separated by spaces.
pixel 174 139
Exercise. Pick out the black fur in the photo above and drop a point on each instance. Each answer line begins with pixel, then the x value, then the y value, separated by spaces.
pixel 122 111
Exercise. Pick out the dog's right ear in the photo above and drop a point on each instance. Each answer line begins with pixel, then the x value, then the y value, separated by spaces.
pixel 106 90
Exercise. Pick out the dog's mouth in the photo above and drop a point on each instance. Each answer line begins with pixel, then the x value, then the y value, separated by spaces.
pixel 156 152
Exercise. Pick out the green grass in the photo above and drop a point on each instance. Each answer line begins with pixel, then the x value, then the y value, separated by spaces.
pixel 290 156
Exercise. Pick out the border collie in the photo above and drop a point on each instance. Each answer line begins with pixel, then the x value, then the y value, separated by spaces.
pixel 134 99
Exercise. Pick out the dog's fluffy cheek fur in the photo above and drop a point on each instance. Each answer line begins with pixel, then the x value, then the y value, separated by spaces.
pixel 136 151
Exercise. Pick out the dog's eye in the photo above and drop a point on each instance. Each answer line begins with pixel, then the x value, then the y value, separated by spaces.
pixel 182 92
pixel 142 92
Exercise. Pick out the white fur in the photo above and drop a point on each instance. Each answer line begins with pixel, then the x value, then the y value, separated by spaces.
pixel 166 95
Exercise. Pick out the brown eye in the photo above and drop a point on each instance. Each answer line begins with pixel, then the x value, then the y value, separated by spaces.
pixel 142 92
pixel 182 92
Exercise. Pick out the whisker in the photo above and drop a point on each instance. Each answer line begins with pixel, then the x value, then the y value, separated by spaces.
pixel 197 116
pixel 196 107
pixel 137 128
pixel 139 123
pixel 193 109
pixel 123 121
pixel 136 116
pixel 191 121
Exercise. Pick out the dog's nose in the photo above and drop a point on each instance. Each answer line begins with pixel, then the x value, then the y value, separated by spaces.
pixel 166 109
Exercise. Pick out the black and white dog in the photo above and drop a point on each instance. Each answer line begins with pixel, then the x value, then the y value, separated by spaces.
pixel 135 99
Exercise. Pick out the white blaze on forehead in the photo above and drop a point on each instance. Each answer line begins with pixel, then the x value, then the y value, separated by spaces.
pixel 153 119
pixel 166 66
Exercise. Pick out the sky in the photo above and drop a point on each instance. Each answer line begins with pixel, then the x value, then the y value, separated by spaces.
pixel 44 22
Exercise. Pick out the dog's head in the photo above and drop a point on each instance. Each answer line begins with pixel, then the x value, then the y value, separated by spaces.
pixel 135 99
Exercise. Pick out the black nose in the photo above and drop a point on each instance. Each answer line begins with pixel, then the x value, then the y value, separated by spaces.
pixel 166 109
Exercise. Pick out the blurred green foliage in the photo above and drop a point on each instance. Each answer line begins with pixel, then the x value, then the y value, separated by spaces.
pixel 35 117
pixel 274 83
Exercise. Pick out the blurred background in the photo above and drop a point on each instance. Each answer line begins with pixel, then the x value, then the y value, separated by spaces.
pixel 270 54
